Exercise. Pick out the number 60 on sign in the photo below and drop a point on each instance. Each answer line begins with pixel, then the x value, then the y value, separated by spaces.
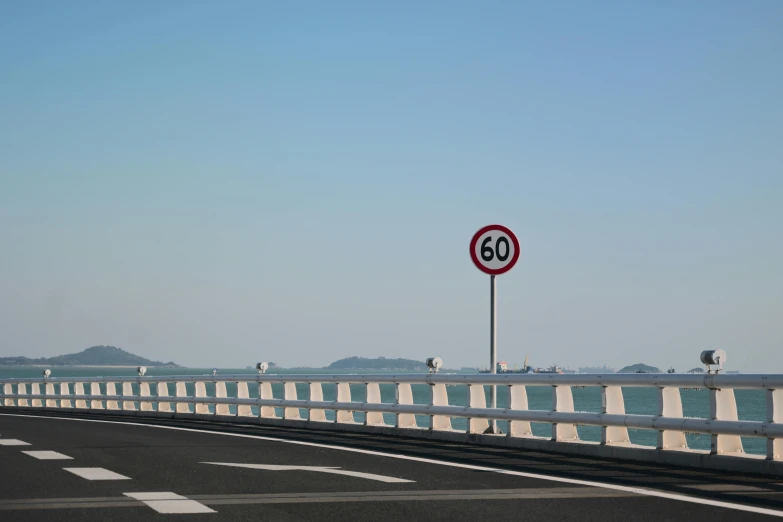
pixel 494 249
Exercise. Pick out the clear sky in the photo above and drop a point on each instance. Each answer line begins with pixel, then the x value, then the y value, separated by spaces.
pixel 220 183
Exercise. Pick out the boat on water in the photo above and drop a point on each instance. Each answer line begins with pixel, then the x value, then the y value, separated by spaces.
pixel 502 367
pixel 551 369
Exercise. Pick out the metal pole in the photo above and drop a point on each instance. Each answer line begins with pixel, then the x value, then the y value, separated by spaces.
pixel 493 348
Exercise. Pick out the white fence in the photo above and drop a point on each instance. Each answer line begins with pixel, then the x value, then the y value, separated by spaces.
pixel 148 395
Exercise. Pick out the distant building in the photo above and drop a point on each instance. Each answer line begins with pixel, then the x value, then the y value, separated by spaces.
pixel 502 366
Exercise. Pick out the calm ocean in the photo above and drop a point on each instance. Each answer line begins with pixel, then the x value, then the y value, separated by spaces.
pixel 751 404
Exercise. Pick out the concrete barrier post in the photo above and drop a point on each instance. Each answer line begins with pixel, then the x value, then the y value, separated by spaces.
pixel 7 390
pixel 344 395
pixel 162 393
pixel 563 400
pixel 182 391
pixel 774 415
pixel 289 394
pixel 404 395
pixel 517 396
pixel 316 395
pixel 373 418
pixel 243 410
pixel 201 391
pixel 21 389
pixel 670 405
pixel 144 391
pixel 50 403
pixel 612 402
pixel 439 397
pixel 111 391
pixel 220 393
pixel 95 390
pixel 78 389
pixel 65 403
pixel 478 399
pixel 36 390
pixel 265 392
pixel 127 391
pixel 723 406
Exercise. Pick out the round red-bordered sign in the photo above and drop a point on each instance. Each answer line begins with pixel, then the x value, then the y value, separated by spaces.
pixel 494 249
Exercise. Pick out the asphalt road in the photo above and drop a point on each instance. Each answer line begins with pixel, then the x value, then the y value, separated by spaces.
pixel 197 470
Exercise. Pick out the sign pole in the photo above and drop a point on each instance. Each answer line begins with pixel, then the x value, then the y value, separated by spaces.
pixel 493 347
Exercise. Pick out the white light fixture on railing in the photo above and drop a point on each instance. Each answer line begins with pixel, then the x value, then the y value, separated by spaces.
pixel 142 370
pixel 262 367
pixel 46 373
pixel 717 357
pixel 214 371
pixel 434 364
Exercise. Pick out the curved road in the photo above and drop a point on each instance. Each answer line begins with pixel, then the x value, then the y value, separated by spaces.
pixel 83 469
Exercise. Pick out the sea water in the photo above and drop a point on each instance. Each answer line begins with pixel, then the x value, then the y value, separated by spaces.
pixel 751 404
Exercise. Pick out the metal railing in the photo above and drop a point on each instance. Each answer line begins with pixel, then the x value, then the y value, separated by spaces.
pixel 147 394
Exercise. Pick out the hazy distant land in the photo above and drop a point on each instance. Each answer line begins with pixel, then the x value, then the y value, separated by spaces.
pixel 379 363
pixel 111 356
pixel 93 356
pixel 639 368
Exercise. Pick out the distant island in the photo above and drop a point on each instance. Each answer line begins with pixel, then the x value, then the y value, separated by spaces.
pixel 94 356
pixel 639 368
pixel 380 363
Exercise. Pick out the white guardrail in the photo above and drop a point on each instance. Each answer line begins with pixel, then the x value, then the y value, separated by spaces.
pixel 150 395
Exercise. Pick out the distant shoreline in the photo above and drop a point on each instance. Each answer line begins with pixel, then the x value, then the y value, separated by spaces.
pixel 79 366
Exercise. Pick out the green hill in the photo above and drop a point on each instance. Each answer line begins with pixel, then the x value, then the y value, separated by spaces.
pixel 639 368
pixel 380 363
pixel 94 356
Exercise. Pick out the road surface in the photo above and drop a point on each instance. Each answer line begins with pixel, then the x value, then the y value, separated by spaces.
pixel 85 469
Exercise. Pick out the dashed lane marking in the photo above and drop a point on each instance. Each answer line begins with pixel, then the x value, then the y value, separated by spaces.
pixel 47 455
pixel 169 503
pixel 13 442
pixel 439 495
pixel 96 474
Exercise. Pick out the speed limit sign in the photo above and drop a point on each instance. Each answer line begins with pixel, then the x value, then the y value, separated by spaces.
pixel 494 249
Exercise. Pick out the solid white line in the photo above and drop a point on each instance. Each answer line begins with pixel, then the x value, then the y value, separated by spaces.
pixel 369 476
pixel 47 455
pixel 13 442
pixel 96 474
pixel 169 503
pixel 319 469
pixel 629 489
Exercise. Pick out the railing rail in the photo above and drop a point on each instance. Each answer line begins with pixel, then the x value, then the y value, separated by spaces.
pixel 742 428
pixel 713 381
pixel 146 394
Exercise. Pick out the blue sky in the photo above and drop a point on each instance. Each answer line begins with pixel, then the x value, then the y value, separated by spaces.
pixel 220 183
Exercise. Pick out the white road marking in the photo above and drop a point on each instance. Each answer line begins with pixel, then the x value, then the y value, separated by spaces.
pixel 47 455
pixel 319 469
pixel 563 480
pixel 96 474
pixel 168 502
pixel 13 442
